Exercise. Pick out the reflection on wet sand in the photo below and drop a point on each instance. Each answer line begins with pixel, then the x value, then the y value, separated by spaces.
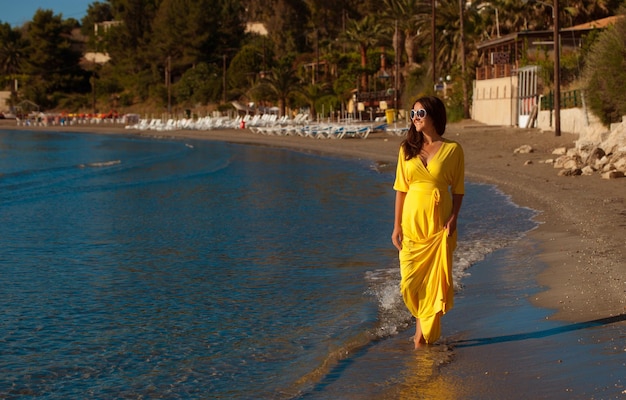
pixel 421 378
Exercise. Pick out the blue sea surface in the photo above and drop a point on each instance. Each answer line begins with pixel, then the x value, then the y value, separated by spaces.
pixel 145 268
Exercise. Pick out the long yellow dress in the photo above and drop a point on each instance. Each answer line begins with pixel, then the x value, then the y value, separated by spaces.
pixel 426 255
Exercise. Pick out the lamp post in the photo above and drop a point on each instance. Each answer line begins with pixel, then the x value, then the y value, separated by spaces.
pixel 466 113
pixel 557 71
pixel 397 66
pixel 93 80
pixel 168 84
pixel 93 90
pixel 224 78
pixel 433 53
pixel 497 22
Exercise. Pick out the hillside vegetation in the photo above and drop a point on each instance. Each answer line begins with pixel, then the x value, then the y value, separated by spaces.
pixel 198 55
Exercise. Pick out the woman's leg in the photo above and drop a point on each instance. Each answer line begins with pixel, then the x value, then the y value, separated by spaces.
pixel 418 339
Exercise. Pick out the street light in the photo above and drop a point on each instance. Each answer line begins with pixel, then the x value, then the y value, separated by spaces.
pixel 168 83
pixel 433 42
pixel 223 78
pixel 397 66
pixel 557 71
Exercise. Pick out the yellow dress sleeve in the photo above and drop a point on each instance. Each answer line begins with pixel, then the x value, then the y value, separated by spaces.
pixel 458 179
pixel 401 184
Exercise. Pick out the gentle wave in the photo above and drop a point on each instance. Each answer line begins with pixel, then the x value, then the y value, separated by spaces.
pixel 100 164
pixel 33 184
pixel 326 365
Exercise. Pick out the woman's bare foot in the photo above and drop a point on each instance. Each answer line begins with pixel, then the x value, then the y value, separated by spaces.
pixel 418 342
pixel 418 339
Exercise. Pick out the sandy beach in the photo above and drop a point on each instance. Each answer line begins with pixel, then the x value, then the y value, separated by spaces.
pixel 582 218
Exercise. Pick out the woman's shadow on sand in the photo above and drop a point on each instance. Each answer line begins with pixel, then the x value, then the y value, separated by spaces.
pixel 539 334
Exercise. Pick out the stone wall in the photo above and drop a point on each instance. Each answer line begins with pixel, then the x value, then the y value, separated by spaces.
pixel 574 120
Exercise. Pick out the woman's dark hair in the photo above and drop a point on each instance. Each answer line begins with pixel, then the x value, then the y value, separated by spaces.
pixel 436 110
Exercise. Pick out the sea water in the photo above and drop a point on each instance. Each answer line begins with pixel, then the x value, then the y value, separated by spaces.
pixel 145 268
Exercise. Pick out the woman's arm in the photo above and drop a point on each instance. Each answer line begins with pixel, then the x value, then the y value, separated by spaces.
pixel 396 236
pixel 450 226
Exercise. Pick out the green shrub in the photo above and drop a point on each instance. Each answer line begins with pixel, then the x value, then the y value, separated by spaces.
pixel 605 74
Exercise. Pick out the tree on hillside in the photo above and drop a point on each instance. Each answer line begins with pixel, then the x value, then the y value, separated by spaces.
pixel 96 12
pixel 581 11
pixel 365 34
pixel 456 42
pixel 248 64
pixel 285 23
pixel 12 52
pixel 513 15
pixel 412 18
pixel 52 63
pixel 183 30
pixel 192 31
pixel 326 17
pixel 231 25
pixel 129 42
pixel 200 85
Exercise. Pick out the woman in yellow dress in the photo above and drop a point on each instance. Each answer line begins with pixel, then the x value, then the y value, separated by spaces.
pixel 429 191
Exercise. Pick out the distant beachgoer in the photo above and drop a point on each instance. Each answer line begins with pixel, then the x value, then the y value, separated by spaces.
pixel 429 188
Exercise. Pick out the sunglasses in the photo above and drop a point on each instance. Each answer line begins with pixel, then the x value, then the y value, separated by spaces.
pixel 421 113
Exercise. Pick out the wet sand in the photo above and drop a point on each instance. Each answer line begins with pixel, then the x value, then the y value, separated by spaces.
pixel 581 239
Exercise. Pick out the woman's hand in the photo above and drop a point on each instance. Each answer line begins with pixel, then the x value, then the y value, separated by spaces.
pixel 450 225
pixel 396 237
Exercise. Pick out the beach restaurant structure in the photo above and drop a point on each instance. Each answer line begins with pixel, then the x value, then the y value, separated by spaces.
pixel 508 90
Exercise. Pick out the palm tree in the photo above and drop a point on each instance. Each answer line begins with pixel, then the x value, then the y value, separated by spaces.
pixel 516 16
pixel 579 11
pixel 450 40
pixel 365 33
pixel 457 31
pixel 282 81
pixel 411 16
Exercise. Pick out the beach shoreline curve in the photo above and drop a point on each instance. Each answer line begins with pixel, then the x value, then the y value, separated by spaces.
pixel 581 219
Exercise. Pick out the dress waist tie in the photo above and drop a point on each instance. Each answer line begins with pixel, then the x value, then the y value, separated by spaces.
pixel 435 199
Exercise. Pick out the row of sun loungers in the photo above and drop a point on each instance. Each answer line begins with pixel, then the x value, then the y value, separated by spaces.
pixel 52 120
pixel 267 124
pixel 206 123
pixel 317 131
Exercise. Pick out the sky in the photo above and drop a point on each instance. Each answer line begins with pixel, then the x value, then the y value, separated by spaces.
pixel 16 12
